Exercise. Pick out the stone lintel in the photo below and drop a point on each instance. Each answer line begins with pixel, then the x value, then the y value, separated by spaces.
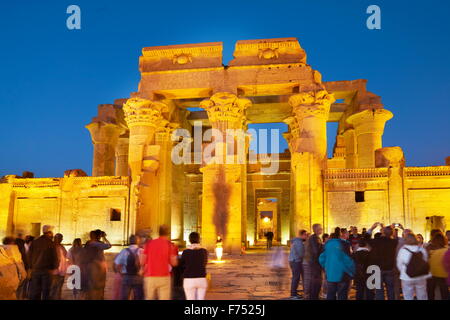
pixel 179 57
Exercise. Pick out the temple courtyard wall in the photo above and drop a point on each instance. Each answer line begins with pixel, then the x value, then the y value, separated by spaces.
pixel 76 205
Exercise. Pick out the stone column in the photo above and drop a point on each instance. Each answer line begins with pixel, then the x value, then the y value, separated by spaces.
pixel 351 156
pixel 394 159
pixel 143 118
pixel 222 213
pixel 104 138
pixel 308 144
pixel 369 127
pixel 122 156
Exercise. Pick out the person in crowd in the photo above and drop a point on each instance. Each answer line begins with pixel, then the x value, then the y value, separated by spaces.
pixel 95 265
pixel 339 267
pixel 383 255
pixel 361 259
pixel 346 244
pixel 306 270
pixel 159 254
pixel 43 260
pixel 269 237
pixel 438 272
pixel 127 262
pixel 74 257
pixel 28 241
pixel 412 258
pixel 313 250
pixel 447 234
pixel 429 244
pixel 13 251
pixel 325 237
pixel 59 274
pixel 193 263
pixel 354 238
pixel 9 275
pixel 296 255
pixel 420 239
pixel 20 242
pixel 446 263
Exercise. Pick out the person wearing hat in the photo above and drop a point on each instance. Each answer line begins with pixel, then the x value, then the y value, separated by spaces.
pixel 43 260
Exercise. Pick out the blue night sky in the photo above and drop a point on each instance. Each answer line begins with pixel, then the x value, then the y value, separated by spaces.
pixel 52 78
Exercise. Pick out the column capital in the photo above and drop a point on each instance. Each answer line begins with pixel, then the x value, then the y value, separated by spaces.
pixel 144 112
pixel 225 110
pixel 104 132
pixel 370 120
pixel 311 104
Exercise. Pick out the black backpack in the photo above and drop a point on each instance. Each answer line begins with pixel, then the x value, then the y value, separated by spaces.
pixel 417 266
pixel 132 265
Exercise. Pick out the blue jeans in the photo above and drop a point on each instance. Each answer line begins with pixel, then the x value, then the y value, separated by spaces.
pixel 297 272
pixel 339 289
pixel 40 285
pixel 132 283
pixel 387 279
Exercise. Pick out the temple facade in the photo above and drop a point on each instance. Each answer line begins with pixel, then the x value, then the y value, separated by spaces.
pixel 136 184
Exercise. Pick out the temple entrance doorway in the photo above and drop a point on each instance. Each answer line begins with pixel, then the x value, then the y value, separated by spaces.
pixel 266 218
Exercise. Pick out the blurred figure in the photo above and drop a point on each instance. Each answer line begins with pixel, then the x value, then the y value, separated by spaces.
pixel 159 255
pixel 447 265
pixel 325 237
pixel 438 272
pixel 269 237
pixel 127 263
pixel 278 267
pixel 60 273
pixel 95 265
pixel 28 241
pixel 74 256
pixel 193 262
pixel 361 258
pixel 406 262
pixel 306 271
pixel 20 242
pixel 447 234
pixel 18 277
pixel 295 259
pixel 313 250
pixel 339 267
pixel 43 260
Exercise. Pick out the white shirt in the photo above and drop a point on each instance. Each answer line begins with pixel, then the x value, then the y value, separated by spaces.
pixel 403 258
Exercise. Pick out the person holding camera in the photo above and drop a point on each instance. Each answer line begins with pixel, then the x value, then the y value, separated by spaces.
pixel 95 265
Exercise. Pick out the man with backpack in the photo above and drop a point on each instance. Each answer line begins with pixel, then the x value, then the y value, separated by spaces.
pixel 127 262
pixel 412 261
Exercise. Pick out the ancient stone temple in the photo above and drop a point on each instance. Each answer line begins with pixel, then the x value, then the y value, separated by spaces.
pixel 136 184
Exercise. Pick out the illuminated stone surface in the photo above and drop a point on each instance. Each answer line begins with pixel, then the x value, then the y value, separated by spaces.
pixel 134 184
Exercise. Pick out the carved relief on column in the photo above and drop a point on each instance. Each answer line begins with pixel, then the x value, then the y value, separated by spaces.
pixel 143 118
pixel 308 123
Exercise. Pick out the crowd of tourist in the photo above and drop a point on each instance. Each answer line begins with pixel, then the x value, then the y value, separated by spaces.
pixel 379 263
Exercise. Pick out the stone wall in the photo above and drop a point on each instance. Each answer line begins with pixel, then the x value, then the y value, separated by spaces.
pixel 74 205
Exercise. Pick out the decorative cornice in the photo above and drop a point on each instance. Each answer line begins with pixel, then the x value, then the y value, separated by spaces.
pixel 427 171
pixel 366 173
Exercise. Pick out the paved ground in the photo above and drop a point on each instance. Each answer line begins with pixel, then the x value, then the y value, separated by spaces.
pixel 249 276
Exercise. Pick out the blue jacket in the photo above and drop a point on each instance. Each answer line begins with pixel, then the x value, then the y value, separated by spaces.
pixel 297 250
pixel 335 261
